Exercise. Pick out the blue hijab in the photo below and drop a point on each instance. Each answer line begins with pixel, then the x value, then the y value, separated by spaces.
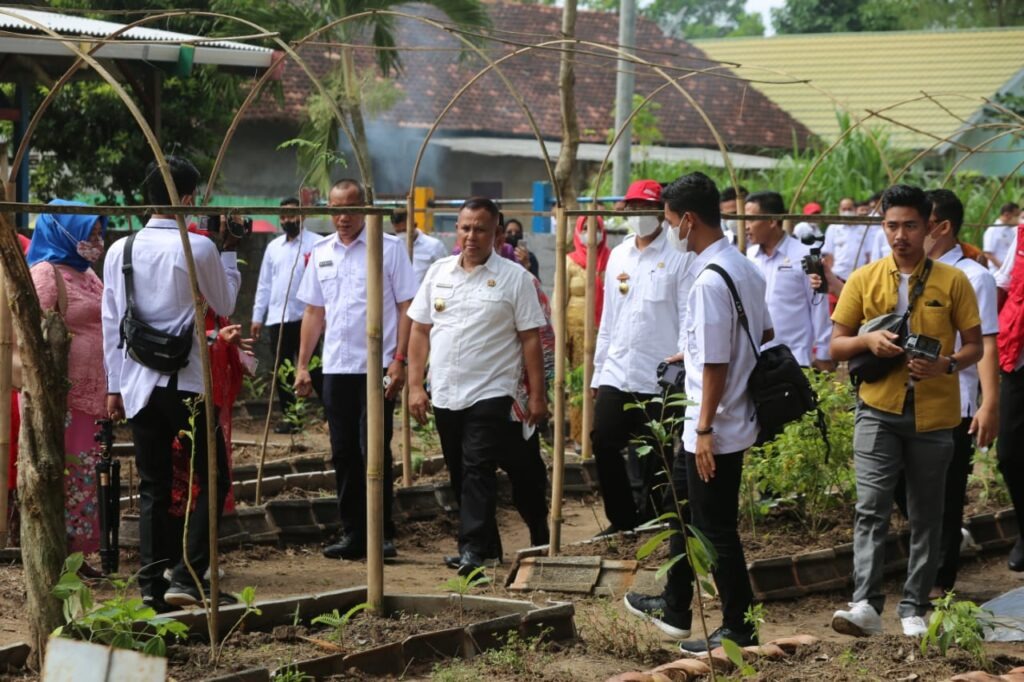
pixel 50 240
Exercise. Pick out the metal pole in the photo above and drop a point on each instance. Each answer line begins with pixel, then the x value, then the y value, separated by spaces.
pixel 558 447
pixel 625 80
pixel 589 334
pixel 410 245
pixel 374 412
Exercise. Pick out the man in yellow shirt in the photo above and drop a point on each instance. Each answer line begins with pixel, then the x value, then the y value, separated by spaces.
pixel 904 420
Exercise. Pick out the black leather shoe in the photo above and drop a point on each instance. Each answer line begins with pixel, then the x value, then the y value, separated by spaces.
pixel 469 562
pixel 348 547
pixel 159 605
pixel 452 561
pixel 699 648
pixel 1016 560
pixel 390 552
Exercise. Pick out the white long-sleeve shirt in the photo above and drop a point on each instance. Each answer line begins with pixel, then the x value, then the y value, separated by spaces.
pixel 282 259
pixel 800 315
pixel 163 300
pixel 644 307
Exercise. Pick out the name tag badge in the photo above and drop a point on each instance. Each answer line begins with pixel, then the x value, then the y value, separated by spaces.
pixel 444 285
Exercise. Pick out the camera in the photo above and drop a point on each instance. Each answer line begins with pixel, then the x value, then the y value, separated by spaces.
pixel 813 264
pixel 921 346
pixel 238 228
pixel 672 376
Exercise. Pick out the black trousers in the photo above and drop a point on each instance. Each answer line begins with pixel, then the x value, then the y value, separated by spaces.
pixel 953 509
pixel 614 428
pixel 154 429
pixel 475 441
pixel 344 400
pixel 712 507
pixel 1010 447
pixel 290 332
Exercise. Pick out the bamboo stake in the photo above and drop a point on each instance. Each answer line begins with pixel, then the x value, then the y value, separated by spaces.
pixel 558 449
pixel 410 245
pixel 589 335
pixel 374 413
pixel 6 377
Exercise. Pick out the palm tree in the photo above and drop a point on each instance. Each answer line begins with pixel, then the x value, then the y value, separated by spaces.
pixel 355 92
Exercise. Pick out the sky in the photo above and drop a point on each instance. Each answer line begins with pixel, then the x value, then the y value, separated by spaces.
pixel 763 7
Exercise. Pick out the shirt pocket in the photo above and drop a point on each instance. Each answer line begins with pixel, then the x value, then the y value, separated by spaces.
pixel 936 322
pixel 656 289
pixel 328 278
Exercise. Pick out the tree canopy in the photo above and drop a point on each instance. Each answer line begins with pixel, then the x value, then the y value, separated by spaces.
pixel 833 16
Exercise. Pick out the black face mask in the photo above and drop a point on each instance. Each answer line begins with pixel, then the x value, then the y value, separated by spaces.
pixel 291 228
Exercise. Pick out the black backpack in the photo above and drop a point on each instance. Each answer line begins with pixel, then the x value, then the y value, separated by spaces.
pixel 777 385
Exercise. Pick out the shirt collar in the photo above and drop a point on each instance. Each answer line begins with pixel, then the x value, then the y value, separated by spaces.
pixel 703 258
pixel 781 249
pixel 656 246
pixel 490 264
pixel 163 223
pixel 894 269
pixel 951 257
pixel 360 238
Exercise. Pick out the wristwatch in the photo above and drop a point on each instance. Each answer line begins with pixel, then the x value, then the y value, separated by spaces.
pixel 705 432
pixel 952 364
pixel 400 358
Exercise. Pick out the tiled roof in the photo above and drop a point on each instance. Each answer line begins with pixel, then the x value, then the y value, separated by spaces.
pixel 744 118
pixel 872 71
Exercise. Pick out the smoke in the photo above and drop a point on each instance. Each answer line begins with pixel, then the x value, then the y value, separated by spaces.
pixel 393 153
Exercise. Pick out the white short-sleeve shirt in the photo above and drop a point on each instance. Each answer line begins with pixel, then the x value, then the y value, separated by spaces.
pixel 998 241
pixel 335 280
pixel 850 246
pixel 714 336
pixel 426 251
pixel 475 319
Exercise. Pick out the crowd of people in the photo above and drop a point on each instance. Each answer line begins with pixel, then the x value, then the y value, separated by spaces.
pixel 470 331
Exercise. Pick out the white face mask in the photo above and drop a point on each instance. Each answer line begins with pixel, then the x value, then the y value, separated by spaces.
pixel 731 225
pixel 848 213
pixel 643 225
pixel 681 245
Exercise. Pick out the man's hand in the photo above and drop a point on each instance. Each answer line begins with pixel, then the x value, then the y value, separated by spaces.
pixel 815 281
pixel 537 408
pixel 419 404
pixel 256 329
pixel 823 365
pixel 115 407
pixel 232 334
pixel 705 457
pixel 921 369
pixel 396 370
pixel 678 357
pixel 881 344
pixel 593 394
pixel 303 382
pixel 228 241
pixel 984 426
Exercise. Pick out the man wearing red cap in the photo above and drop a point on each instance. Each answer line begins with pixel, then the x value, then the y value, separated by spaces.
pixel 807 231
pixel 641 326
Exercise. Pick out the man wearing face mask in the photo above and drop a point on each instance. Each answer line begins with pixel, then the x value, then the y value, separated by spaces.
pixel 848 246
pixel 729 204
pixel 277 305
pixel 641 326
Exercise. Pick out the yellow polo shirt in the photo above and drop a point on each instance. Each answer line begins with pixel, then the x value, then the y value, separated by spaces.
pixel 947 305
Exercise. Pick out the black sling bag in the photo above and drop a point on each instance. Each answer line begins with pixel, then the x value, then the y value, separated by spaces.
pixel 150 347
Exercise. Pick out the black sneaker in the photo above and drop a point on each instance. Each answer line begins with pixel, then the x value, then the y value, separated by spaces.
pixel 158 605
pixel 698 648
pixel 675 624
pixel 1016 559
pixel 179 594
pixel 389 550
pixel 348 547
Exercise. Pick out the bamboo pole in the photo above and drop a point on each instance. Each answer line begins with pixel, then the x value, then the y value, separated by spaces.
pixel 410 242
pixel 589 335
pixel 374 413
pixel 558 447
pixel 6 376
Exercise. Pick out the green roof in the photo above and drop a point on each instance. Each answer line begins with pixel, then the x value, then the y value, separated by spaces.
pixel 872 71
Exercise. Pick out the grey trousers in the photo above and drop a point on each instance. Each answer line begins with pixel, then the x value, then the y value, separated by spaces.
pixel 884 445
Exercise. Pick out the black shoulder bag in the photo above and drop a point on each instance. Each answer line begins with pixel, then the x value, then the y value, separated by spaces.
pixel 867 367
pixel 778 386
pixel 155 349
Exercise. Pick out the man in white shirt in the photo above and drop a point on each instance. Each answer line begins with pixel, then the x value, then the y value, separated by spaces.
pixel 720 425
pixel 641 326
pixel 334 291
pixel 977 423
pixel 997 238
pixel 277 304
pixel 847 246
pixel 800 314
pixel 155 403
pixel 476 317
pixel 426 250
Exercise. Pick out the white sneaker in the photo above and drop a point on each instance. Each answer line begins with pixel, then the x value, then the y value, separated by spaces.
pixel 913 626
pixel 860 621
pixel 206 576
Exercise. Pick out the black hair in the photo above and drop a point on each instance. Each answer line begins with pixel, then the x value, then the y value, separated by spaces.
pixel 517 221
pixel 501 219
pixel 1008 207
pixel 909 197
pixel 347 183
pixel 184 174
pixel 478 203
pixel 947 206
pixel 768 202
pixel 399 215
pixel 290 201
pixel 697 193
pixel 874 198
pixel 729 193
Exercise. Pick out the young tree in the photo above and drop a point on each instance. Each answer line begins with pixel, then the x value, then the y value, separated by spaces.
pixel 704 18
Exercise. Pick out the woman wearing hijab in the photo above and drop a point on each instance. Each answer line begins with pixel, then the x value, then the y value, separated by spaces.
pixel 576 311
pixel 62 250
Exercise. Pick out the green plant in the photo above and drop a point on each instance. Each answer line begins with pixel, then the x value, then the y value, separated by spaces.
pixel 417 463
pixel 255 386
pixel 574 386
pixel 291 673
pixel 797 467
pixel 609 631
pixel 248 598
pixel 338 622
pixel 517 658
pixel 426 434
pixel 121 622
pixel 755 618
pixel 735 654
pixel 958 623
pixel 463 584
pixel 987 476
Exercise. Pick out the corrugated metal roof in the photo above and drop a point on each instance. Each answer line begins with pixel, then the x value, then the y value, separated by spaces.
pixel 11 19
pixel 873 71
